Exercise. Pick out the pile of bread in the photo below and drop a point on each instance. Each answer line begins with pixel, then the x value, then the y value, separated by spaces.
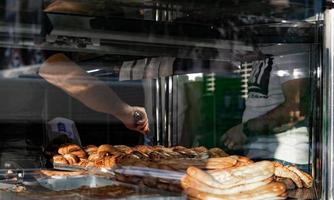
pixel 257 180
pixel 109 156
pixel 210 173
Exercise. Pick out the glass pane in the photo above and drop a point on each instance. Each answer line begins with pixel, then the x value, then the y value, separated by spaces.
pixel 235 75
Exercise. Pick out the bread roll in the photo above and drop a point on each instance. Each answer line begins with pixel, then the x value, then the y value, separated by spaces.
pixel 124 148
pixel 83 162
pixel 59 159
pixel 90 164
pixel 110 161
pixel 139 155
pixel 71 159
pixel 217 152
pixel 68 148
pixel 108 148
pixel 90 149
pixel 93 157
pixel 80 153
pixel 202 152
pixel 156 155
pixel 168 152
pixel 200 149
pixel 143 149
pixel 99 163
pixel 185 152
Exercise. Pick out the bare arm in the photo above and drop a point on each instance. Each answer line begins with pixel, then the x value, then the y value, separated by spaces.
pixel 60 71
pixel 283 117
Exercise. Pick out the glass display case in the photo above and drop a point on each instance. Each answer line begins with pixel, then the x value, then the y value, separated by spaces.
pixel 164 99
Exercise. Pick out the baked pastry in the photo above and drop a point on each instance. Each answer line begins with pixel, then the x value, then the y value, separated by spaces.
pixel 90 149
pixel 200 149
pixel 93 157
pixel 110 161
pixel 79 153
pixel 108 148
pixel 185 152
pixel 306 178
pixel 156 155
pixel 285 172
pixel 217 152
pixel 68 148
pixel 123 148
pixel 83 162
pixel 202 152
pixel 167 152
pixel 90 164
pixel 71 159
pixel 59 159
pixel 99 162
pixel 143 149
pixel 139 155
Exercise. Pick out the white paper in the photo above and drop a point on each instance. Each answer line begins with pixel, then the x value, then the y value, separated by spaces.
pixel 139 69
pixel 166 66
pixel 152 69
pixel 125 71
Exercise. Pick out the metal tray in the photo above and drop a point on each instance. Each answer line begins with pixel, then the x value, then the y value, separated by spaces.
pixel 71 183
pixel 69 167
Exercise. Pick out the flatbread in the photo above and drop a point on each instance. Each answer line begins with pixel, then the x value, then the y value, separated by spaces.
pixel 190 182
pixel 251 173
pixel 269 191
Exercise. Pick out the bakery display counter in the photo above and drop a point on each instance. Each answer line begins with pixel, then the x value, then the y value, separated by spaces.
pixel 178 172
pixel 147 183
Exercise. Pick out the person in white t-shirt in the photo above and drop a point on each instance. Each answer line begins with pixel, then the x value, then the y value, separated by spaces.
pixel 274 124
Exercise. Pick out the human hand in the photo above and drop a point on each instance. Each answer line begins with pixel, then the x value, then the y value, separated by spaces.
pixel 234 137
pixel 141 124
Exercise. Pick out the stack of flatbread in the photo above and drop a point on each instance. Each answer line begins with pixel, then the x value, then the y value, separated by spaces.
pixel 254 181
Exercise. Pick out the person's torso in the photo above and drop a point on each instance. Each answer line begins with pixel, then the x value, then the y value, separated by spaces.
pixel 264 89
pixel 265 94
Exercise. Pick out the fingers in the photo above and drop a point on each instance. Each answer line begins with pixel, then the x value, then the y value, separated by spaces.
pixel 226 140
pixel 230 145
pixel 144 129
pixel 142 125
